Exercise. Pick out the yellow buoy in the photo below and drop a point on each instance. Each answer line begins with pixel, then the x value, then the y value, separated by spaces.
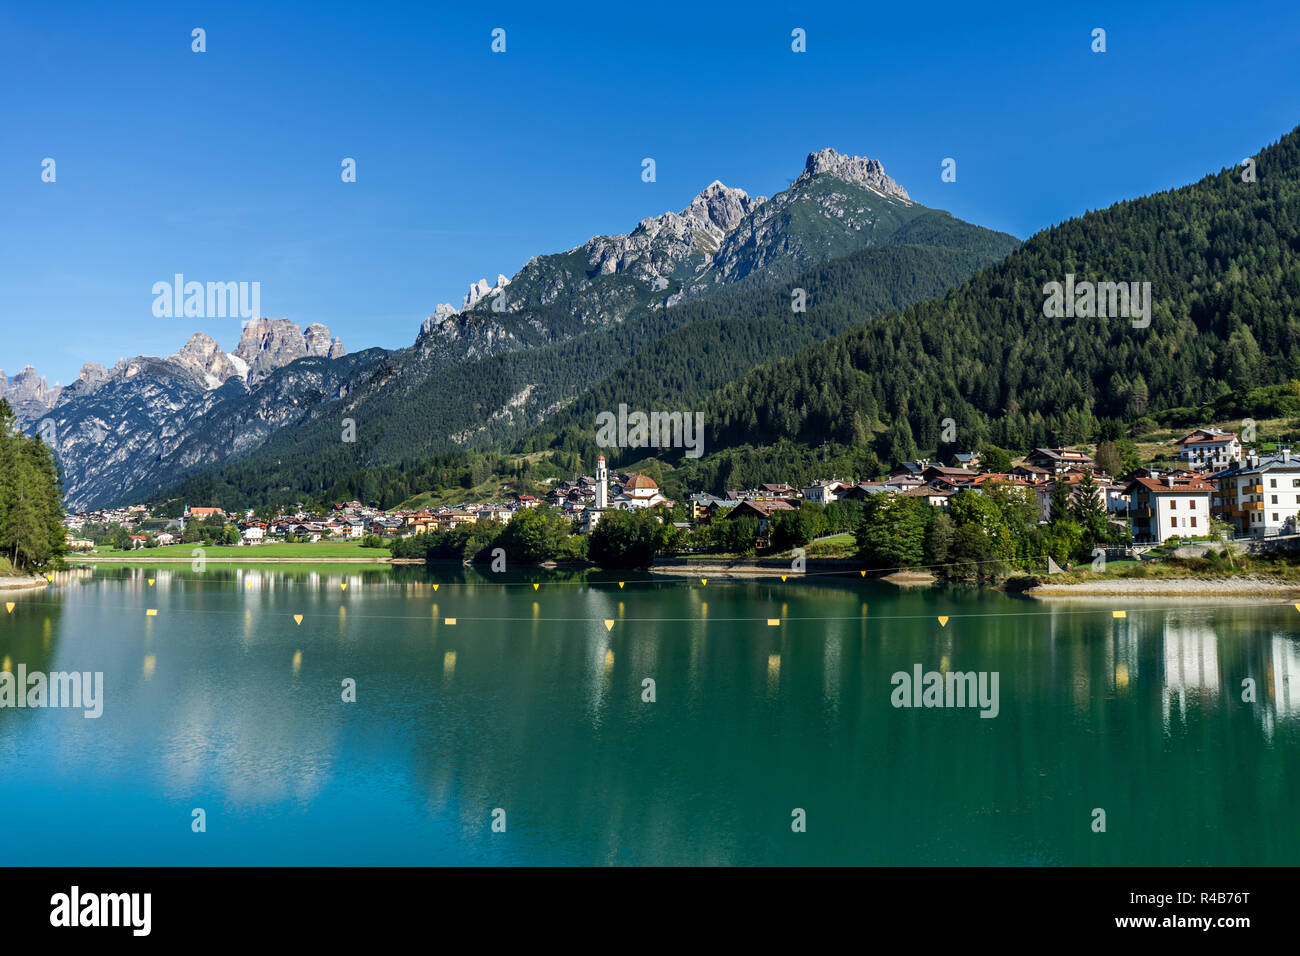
pixel 773 621
pixel 448 620
pixel 536 586
pixel 151 612
pixel 9 606
pixel 704 580
pixel 1119 613
pixel 943 622
pixel 609 625
pixel 297 619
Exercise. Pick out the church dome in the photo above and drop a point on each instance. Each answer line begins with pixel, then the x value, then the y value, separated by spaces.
pixel 642 482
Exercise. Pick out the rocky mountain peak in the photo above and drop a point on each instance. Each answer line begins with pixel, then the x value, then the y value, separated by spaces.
pixel 268 344
pixel 869 173
pixel 203 356
pixel 720 206
pixel 441 314
pixel 92 375
pixel 481 290
pixel 27 392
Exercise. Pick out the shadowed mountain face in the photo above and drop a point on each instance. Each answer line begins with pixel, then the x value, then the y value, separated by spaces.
pixel 128 432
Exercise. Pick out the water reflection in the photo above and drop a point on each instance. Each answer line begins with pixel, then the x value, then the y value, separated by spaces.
pixel 531 703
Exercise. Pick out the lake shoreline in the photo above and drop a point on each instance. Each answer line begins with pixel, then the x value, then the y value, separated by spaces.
pixel 752 567
pixel 1245 586
pixel 172 559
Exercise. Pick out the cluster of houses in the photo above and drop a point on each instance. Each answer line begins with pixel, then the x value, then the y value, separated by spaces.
pixel 129 517
pixel 349 521
pixel 583 499
pixel 1258 494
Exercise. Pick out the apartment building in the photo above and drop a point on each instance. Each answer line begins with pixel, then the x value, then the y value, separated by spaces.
pixel 1209 448
pixel 1172 506
pixel 1260 495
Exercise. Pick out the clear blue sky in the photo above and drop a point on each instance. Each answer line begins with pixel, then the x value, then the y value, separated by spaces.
pixel 225 165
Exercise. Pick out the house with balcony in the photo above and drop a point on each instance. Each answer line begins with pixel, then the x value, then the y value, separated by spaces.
pixel 1260 495
pixel 1170 507
pixel 827 491
pixel 1209 448
pixel 1059 460
pixel 762 510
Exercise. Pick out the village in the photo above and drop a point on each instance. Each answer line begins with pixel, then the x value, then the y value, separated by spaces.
pixel 1216 478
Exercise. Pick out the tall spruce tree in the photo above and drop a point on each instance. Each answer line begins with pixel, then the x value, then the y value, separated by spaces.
pixel 31 509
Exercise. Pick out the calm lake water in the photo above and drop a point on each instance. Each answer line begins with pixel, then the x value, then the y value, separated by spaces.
pixel 530 704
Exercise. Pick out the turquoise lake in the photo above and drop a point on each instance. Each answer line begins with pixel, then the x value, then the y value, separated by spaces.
pixel 532 703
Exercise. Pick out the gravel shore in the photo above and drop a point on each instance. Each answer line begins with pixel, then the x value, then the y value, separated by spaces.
pixel 23 584
pixel 1245 586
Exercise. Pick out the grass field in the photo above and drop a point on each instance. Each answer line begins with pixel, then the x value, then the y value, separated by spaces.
pixel 321 549
pixel 833 546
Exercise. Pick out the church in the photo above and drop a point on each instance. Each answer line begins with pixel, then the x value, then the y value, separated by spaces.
pixel 635 491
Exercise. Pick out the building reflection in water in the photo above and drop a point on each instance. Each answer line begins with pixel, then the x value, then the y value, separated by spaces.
pixel 1191 665
pixel 1282 685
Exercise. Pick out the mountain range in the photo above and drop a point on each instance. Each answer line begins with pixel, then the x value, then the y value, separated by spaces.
pixel 516 353
pixel 793 397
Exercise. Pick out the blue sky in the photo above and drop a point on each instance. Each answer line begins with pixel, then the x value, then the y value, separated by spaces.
pixel 225 165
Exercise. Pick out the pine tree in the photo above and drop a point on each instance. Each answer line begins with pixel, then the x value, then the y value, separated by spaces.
pixel 1089 510
pixel 31 510
pixel 1060 507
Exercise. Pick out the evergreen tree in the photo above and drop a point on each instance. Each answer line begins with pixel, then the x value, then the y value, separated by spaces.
pixel 31 509
pixel 1060 508
pixel 1108 459
pixel 1089 510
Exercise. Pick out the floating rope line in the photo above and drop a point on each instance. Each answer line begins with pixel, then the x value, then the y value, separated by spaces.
pixel 862 617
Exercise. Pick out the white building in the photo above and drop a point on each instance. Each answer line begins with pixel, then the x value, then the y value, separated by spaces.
pixel 639 491
pixel 253 535
pixel 1210 448
pixel 1169 507
pixel 1260 495
pixel 602 484
pixel 823 492
pixel 591 515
